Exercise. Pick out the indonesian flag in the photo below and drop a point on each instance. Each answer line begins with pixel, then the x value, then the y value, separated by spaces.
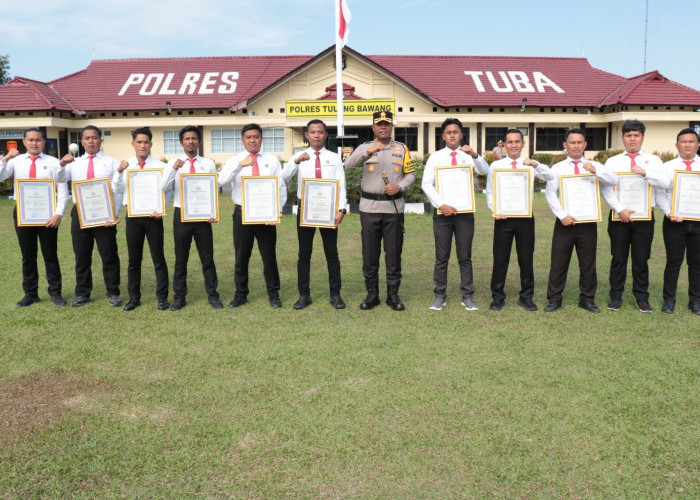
pixel 343 19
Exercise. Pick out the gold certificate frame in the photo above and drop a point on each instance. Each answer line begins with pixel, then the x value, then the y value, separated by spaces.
pixel 199 197
pixel 36 201
pixel 260 201
pixel 143 193
pixel 580 197
pixel 685 201
pixel 512 192
pixel 455 185
pixel 634 192
pixel 94 202
pixel 319 202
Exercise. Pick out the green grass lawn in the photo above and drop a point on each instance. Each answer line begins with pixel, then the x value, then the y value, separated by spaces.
pixel 256 402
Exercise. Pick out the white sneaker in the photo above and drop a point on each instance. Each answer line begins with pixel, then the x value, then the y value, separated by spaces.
pixel 469 304
pixel 437 304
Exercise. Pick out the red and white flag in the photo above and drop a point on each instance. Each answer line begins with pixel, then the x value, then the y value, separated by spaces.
pixel 343 18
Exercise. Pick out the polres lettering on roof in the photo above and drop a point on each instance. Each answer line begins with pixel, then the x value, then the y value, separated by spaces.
pixel 213 82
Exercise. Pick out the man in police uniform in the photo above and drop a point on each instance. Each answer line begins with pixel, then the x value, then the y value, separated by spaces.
pixel 387 171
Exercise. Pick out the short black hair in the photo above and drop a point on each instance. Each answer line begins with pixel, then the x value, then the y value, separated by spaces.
pixel 574 130
pixel 687 131
pixel 633 126
pixel 142 131
pixel 251 126
pixel 451 121
pixel 90 127
pixel 190 128
pixel 315 121
pixel 514 131
pixel 34 129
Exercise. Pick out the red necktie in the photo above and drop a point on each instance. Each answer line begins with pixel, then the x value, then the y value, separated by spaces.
pixel 256 169
pixel 576 170
pixel 454 157
pixel 91 168
pixel 515 164
pixel 688 163
pixel 32 169
pixel 318 165
pixel 141 164
pixel 634 163
pixel 192 170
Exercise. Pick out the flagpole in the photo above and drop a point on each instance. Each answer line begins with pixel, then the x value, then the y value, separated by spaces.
pixel 339 70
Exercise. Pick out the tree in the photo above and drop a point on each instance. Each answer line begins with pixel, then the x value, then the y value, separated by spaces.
pixel 4 69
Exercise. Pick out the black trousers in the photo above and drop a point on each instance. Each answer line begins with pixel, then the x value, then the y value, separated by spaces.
pixel 27 237
pixel 584 237
pixel 504 230
pixel 83 243
pixel 244 236
pixel 635 237
pixel 139 229
pixel 679 237
pixel 461 226
pixel 329 236
pixel 375 228
pixel 183 233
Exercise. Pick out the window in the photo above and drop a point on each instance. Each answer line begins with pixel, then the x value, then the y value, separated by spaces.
pixel 596 139
pixel 407 135
pixel 273 140
pixel 550 138
pixel 493 135
pixel 226 141
pixel 440 143
pixel 171 142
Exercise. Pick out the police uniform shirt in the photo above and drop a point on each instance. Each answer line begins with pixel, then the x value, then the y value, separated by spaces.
pixel 655 175
pixel 664 196
pixel 331 168
pixel 443 158
pixel 268 165
pixel 567 167
pixel 541 171
pixel 102 165
pixel 171 177
pixel 395 161
pixel 47 167
pixel 119 179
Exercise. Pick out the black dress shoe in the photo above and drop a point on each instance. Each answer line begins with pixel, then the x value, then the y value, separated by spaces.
pixel 163 304
pixel 589 306
pixel 115 300
pixel 215 302
pixel 178 304
pixel 28 300
pixel 393 301
pixel 371 301
pixel 303 302
pixel 497 304
pixel 57 300
pixel 80 300
pixel 552 306
pixel 694 306
pixel 527 304
pixel 275 302
pixel 132 304
pixel 337 302
pixel 668 306
pixel 238 302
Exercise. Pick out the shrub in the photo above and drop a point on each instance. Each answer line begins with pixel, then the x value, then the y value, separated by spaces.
pixel 490 157
pixel 665 155
pixel 603 155
pixel 353 180
pixel 544 158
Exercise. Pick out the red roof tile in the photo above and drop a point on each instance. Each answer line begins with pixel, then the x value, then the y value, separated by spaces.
pixel 652 89
pixel 23 94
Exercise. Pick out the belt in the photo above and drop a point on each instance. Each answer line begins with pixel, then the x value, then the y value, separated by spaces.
pixel 381 197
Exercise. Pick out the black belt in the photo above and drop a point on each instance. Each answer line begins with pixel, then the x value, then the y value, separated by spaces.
pixel 382 197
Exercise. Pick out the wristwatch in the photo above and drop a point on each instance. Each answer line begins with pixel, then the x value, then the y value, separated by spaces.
pixel 343 211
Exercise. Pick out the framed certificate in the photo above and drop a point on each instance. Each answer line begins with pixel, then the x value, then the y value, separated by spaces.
pixel 94 202
pixel 455 185
pixel 580 197
pixel 685 201
pixel 143 193
pixel 319 202
pixel 36 201
pixel 634 192
pixel 512 192
pixel 260 199
pixel 199 197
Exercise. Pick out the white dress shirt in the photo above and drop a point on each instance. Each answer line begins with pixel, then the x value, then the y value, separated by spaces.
pixel 665 196
pixel 103 166
pixel 653 166
pixel 268 165
pixel 331 168
pixel 171 177
pixel 541 171
pixel 567 167
pixel 47 167
pixel 119 179
pixel 443 158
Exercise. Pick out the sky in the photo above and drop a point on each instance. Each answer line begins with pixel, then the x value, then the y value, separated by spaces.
pixel 46 40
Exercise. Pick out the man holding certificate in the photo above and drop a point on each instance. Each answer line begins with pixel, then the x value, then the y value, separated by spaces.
pixel 509 195
pixel 143 192
pixel 632 203
pixel 45 217
pixel 94 164
pixel 450 220
pixel 387 171
pixel 317 162
pixel 262 207
pixel 580 231
pixel 190 162
pixel 682 232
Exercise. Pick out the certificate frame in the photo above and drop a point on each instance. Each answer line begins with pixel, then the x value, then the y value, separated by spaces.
pixel 500 181
pixel 30 190
pixel 581 184
pixel 629 179
pixel 253 187
pixel 310 188
pixel 680 192
pixel 443 174
pixel 132 175
pixel 199 184
pixel 100 209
